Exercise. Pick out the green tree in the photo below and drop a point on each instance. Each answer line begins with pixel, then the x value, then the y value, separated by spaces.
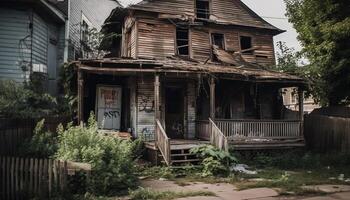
pixel 288 60
pixel 324 32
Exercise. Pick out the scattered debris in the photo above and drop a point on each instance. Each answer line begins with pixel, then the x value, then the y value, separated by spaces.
pixel 163 179
pixel 242 168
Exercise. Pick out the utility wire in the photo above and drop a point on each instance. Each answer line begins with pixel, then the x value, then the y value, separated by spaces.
pixel 282 18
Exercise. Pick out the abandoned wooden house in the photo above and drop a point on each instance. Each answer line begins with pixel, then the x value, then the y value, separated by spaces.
pixel 186 72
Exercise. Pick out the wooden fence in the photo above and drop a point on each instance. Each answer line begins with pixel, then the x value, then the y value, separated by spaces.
pixel 13 132
pixel 327 134
pixel 25 178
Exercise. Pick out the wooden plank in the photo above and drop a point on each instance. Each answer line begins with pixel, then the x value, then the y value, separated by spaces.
pixel 50 169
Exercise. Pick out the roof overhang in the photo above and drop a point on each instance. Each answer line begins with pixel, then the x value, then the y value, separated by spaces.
pixel 117 66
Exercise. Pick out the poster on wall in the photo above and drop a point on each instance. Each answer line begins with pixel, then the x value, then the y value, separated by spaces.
pixel 108 107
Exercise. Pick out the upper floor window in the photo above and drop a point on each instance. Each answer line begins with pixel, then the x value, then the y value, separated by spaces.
pixel 182 44
pixel 202 9
pixel 246 44
pixel 218 40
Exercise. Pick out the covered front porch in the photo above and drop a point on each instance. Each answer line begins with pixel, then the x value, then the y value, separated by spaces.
pixel 176 105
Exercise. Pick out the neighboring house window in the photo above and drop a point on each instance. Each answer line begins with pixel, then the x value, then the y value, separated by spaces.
pixel 246 43
pixel 85 28
pixel 202 9
pixel 182 45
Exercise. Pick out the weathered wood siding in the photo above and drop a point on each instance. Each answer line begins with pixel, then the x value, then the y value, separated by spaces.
pixel 145 107
pixel 200 44
pixel 184 7
pixel 235 12
pixel 156 38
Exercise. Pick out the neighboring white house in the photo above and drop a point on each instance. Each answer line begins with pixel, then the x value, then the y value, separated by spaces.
pixel 290 100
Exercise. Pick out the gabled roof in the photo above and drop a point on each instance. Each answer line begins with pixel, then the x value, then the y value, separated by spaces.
pixel 227 12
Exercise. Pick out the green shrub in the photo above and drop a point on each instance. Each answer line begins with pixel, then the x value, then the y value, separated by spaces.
pixel 215 161
pixel 20 100
pixel 111 158
pixel 42 144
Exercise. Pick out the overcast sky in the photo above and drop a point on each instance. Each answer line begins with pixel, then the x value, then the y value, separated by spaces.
pixel 272 11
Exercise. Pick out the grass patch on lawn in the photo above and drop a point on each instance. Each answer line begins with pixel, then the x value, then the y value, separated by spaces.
pixel 146 194
pixel 291 182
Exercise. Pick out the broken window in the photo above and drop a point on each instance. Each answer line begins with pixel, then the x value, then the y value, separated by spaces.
pixel 182 42
pixel 246 43
pixel 218 40
pixel 202 9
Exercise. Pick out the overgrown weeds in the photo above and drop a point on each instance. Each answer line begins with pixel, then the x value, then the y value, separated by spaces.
pixel 113 167
pixel 215 162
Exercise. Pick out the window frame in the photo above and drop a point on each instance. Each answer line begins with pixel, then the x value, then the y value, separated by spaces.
pixel 252 41
pixel 209 9
pixel 188 42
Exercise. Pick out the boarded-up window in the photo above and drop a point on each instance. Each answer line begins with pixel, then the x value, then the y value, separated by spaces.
pixel 246 43
pixel 202 9
pixel 182 42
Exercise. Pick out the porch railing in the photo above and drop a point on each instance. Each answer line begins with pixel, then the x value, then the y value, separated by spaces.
pixel 217 138
pixel 163 142
pixel 202 129
pixel 269 129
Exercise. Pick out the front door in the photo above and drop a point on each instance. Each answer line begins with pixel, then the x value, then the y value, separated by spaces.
pixel 174 111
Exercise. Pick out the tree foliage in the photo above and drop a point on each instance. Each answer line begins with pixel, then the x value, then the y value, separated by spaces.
pixel 288 60
pixel 22 101
pixel 324 32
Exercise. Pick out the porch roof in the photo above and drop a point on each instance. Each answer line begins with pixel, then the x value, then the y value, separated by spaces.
pixel 244 72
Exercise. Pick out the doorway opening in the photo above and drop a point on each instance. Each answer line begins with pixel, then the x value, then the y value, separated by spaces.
pixel 174 111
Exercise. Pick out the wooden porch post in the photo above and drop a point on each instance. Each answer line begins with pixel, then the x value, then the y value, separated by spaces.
pixel 301 110
pixel 156 96
pixel 212 98
pixel 80 96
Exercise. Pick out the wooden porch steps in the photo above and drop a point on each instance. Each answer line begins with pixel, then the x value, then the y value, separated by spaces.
pixel 180 153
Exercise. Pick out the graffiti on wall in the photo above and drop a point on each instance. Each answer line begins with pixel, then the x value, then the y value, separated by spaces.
pixel 111 114
pixel 146 104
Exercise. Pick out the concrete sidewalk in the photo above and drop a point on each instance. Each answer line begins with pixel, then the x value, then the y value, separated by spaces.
pixel 225 191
